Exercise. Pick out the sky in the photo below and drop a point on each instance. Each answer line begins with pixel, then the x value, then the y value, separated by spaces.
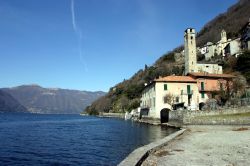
pixel 92 44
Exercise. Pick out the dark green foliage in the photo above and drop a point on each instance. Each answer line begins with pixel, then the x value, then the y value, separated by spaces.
pixel 200 57
pixel 150 74
pixel 134 91
pixel 243 65
pixel 168 57
pixel 133 104
pixel 91 111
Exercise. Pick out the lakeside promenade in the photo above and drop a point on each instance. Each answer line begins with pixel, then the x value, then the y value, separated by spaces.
pixel 205 145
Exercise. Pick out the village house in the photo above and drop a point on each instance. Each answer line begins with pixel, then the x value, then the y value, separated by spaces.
pixel 232 48
pixel 223 47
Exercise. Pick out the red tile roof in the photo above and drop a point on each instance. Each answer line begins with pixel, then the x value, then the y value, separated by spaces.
pixel 176 79
pixel 211 75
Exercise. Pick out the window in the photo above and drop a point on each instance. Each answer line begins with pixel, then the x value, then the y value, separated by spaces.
pixel 191 37
pixel 154 101
pixel 177 99
pixel 202 95
pixel 165 86
pixel 202 86
pixel 188 89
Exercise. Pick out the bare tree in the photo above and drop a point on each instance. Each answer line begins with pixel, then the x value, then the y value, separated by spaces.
pixel 169 98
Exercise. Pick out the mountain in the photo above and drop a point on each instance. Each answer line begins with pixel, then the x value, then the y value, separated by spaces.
pixel 9 104
pixel 126 95
pixel 52 100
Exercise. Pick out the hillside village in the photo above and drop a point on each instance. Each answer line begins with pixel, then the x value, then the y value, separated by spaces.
pixel 200 83
pixel 220 47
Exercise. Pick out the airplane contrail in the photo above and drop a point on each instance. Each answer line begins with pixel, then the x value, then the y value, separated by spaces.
pixel 78 32
pixel 73 15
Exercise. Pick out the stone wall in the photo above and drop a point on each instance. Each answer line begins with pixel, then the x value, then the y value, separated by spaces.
pixel 176 118
pixel 233 116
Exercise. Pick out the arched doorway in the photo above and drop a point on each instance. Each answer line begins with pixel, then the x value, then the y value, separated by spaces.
pixel 201 105
pixel 165 115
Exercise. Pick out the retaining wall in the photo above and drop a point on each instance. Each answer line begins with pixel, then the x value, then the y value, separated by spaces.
pixel 220 117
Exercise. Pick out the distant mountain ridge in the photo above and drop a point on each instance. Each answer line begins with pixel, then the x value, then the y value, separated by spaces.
pixel 52 100
pixel 9 104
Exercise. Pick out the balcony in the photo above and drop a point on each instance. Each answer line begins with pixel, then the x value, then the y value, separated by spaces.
pixel 186 92
pixel 202 89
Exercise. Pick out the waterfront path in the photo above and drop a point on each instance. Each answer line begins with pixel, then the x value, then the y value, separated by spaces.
pixel 205 145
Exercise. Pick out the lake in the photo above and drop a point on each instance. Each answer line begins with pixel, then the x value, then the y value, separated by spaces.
pixel 38 139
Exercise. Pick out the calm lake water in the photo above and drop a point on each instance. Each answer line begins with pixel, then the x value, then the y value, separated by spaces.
pixel 33 139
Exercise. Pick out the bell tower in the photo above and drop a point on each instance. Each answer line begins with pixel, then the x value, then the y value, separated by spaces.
pixel 223 36
pixel 190 51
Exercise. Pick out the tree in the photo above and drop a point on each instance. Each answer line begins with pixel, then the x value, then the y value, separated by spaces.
pixel 169 98
pixel 123 103
pixel 243 65
pixel 235 88
pixel 239 85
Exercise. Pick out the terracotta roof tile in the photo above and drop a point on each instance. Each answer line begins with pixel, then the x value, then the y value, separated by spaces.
pixel 176 79
pixel 195 74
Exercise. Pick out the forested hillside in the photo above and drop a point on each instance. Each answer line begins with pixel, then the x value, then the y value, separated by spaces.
pixel 126 95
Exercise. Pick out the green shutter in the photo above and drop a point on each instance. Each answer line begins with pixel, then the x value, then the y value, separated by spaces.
pixel 188 89
pixel 165 87
pixel 202 86
pixel 203 95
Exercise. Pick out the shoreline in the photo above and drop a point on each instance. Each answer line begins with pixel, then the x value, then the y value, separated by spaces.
pixel 138 156
pixel 205 145
pixel 193 145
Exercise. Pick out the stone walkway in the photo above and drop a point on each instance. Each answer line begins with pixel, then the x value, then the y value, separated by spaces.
pixel 206 145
